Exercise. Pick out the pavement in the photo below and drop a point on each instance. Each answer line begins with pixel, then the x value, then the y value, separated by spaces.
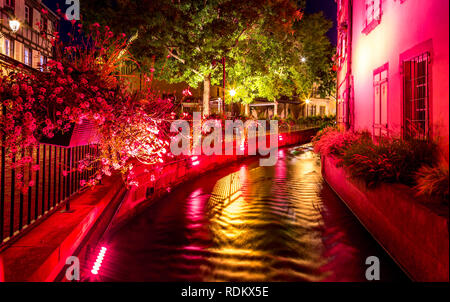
pixel 40 254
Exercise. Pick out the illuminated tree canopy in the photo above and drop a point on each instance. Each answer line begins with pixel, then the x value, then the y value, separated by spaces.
pixel 262 41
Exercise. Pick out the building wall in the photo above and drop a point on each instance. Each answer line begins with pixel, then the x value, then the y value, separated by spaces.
pixel 407 28
pixel 29 34
pixel 328 104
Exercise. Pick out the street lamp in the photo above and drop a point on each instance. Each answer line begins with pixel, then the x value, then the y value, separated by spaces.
pixel 232 92
pixel 14 25
pixel 303 59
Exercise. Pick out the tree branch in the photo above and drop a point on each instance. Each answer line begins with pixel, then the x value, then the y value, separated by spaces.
pixel 183 61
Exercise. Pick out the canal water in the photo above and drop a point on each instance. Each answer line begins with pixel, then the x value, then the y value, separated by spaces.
pixel 248 223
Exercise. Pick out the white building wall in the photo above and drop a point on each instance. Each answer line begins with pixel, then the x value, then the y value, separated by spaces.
pixel 407 28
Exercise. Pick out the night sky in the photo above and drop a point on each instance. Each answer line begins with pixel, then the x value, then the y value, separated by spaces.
pixel 312 6
pixel 329 9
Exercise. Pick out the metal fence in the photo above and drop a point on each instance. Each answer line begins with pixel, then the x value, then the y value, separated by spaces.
pixel 56 180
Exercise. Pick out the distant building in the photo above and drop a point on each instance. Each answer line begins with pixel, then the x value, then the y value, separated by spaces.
pixel 393 68
pixel 318 105
pixel 27 45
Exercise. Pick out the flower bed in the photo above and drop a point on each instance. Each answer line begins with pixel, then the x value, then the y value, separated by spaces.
pixel 389 160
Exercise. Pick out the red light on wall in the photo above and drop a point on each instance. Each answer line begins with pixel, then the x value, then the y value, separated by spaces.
pixel 98 261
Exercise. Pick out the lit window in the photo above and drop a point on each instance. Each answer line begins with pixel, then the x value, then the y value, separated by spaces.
pixel 27 54
pixel 380 101
pixel 312 110
pixel 416 97
pixel 322 110
pixel 9 48
pixel 373 15
pixel 42 62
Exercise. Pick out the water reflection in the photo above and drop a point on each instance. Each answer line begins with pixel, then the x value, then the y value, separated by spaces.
pixel 248 223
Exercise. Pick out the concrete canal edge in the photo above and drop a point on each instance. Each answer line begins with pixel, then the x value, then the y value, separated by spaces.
pixel 416 235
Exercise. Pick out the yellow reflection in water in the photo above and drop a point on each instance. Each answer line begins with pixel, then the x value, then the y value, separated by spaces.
pixel 265 227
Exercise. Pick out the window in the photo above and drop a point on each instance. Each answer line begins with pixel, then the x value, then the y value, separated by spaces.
pixel 342 104
pixel 10 4
pixel 312 110
pixel 380 101
pixel 42 62
pixel 416 97
pixel 342 48
pixel 44 24
pixel 322 110
pixel 373 15
pixel 27 55
pixel 9 47
pixel 29 15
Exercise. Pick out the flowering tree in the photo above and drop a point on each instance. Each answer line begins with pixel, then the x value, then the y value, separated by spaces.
pixel 83 83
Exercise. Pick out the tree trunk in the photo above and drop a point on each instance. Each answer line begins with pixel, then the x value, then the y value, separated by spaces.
pixel 247 110
pixel 206 91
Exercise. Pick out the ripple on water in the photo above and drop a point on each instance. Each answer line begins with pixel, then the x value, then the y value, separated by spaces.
pixel 279 223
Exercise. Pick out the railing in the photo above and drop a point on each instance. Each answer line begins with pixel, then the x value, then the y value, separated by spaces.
pixel 56 180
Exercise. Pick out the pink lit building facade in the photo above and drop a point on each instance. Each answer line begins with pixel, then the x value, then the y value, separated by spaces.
pixel 393 76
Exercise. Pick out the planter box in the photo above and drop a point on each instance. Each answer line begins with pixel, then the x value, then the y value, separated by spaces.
pixel 415 234
pixel 78 135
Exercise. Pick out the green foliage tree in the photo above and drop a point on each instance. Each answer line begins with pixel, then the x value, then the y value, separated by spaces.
pixel 184 39
pixel 278 64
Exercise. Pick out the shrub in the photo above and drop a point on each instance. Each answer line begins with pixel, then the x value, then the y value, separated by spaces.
pixel 84 84
pixel 327 121
pixel 331 141
pixel 433 182
pixel 389 160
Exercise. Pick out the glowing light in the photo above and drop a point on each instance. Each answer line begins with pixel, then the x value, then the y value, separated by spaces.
pixel 280 138
pixel 307 101
pixel 232 92
pixel 195 163
pixel 98 261
pixel 303 59
pixel 14 25
pixel 187 92
pixel 194 158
